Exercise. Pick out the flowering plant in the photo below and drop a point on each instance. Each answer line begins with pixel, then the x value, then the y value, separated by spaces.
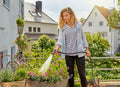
pixel 55 73
pixel 22 42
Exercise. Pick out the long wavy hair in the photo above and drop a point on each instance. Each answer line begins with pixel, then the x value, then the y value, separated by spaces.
pixel 71 12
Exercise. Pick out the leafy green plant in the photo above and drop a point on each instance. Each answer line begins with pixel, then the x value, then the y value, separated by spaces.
pixel 20 21
pixel 44 42
pixel 20 74
pixel 7 76
pixel 55 73
pixel 22 42
pixel 117 54
pixel 97 45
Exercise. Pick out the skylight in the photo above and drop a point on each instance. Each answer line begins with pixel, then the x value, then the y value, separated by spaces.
pixel 33 13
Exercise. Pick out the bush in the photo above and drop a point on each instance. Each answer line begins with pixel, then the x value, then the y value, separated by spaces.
pixel 117 54
pixel 20 74
pixel 7 76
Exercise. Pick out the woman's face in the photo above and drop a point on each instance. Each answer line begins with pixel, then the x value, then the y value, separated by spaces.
pixel 66 16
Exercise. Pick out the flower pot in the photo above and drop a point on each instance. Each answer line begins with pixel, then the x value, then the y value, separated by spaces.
pixel 62 83
pixel 20 48
pixel 36 84
pixel 20 29
pixel 13 84
pixel 91 82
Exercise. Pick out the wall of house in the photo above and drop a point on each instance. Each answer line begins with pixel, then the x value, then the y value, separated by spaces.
pixel 44 28
pixel 8 28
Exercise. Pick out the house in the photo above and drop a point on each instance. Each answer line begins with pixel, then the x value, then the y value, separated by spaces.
pixel 38 23
pixel 97 22
pixel 9 12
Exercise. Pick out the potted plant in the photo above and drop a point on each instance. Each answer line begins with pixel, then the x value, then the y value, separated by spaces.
pixel 20 25
pixel 22 42
pixel 56 76
pixel 10 79
pixel 20 22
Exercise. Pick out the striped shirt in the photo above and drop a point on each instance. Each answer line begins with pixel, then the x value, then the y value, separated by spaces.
pixel 71 40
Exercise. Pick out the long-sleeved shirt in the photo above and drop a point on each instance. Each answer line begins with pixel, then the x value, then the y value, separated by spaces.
pixel 81 39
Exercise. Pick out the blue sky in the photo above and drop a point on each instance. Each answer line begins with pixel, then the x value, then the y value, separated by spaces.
pixel 82 8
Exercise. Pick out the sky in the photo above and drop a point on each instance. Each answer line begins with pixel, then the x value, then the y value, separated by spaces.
pixel 82 8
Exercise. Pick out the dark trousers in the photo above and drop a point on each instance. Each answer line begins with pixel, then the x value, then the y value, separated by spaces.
pixel 80 62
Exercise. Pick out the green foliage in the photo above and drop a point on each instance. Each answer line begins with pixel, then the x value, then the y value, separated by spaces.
pixel 97 45
pixel 20 21
pixel 20 74
pixel 117 54
pixel 22 41
pixel 114 19
pixel 44 42
pixel 55 73
pixel 7 76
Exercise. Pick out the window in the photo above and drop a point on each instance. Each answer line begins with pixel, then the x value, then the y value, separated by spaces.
pixel 103 34
pixel 34 29
pixel 95 13
pixel 6 3
pixel 89 24
pixel 38 29
pixel 101 23
pixel 33 13
pixel 30 29
pixel 1 59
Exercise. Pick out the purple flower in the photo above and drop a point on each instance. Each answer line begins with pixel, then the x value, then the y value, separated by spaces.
pixel 46 73
pixel 56 72
pixel 49 69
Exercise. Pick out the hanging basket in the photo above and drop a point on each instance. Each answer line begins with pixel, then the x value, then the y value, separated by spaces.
pixel 20 48
pixel 20 29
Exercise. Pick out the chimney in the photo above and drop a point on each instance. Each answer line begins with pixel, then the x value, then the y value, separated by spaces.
pixel 38 6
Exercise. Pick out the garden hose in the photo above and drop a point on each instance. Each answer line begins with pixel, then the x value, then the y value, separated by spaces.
pixel 90 63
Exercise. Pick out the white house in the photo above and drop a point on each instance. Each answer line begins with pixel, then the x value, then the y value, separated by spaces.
pixel 97 22
pixel 37 22
pixel 9 12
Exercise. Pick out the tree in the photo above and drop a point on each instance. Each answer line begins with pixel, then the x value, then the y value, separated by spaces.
pixel 44 42
pixel 97 44
pixel 114 18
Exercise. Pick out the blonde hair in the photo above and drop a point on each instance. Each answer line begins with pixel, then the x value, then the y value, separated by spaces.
pixel 73 17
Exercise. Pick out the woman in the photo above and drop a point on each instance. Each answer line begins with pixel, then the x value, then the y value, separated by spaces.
pixel 72 40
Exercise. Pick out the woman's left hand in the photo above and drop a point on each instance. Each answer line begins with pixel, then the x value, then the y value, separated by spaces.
pixel 87 53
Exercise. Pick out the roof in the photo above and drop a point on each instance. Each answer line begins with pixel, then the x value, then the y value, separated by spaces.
pixel 40 17
pixel 104 11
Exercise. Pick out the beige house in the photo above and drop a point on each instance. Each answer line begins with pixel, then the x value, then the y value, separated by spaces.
pixel 37 22
pixel 97 22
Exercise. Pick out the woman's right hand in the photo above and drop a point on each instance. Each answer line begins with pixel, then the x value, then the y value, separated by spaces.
pixel 54 51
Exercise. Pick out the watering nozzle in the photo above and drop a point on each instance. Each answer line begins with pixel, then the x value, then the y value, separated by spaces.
pixel 55 52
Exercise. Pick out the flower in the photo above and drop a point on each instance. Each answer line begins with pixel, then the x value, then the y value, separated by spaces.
pixel 22 42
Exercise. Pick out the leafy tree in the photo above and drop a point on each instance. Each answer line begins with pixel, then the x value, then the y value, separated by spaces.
pixel 44 42
pixel 97 44
pixel 114 18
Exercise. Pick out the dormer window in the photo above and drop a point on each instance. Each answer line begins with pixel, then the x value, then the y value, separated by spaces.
pixel 33 13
